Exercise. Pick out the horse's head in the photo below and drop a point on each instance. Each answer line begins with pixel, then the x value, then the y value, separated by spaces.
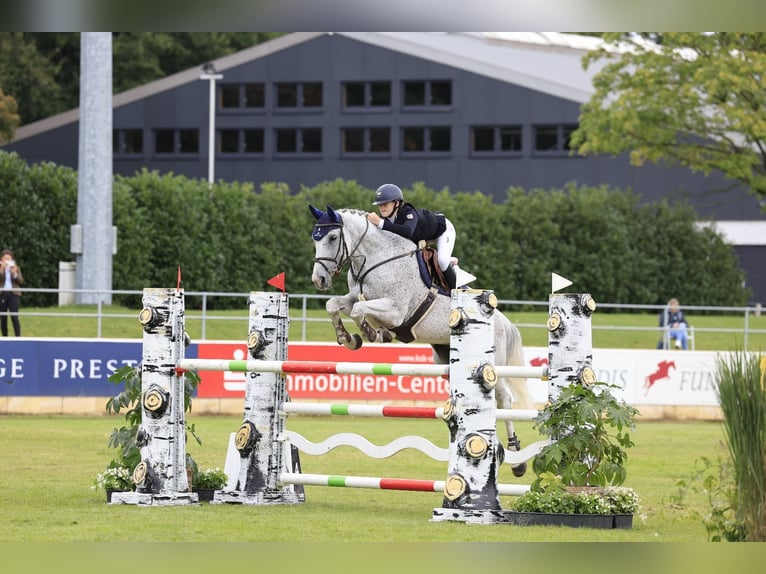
pixel 330 250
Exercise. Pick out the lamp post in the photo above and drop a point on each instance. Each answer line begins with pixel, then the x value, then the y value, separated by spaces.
pixel 211 75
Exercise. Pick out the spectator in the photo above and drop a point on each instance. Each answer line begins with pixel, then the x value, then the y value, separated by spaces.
pixel 674 325
pixel 10 297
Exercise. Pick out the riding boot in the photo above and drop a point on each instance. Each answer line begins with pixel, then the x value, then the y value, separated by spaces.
pixel 450 276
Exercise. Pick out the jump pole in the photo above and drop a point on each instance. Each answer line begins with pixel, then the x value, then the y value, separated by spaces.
pixel 347 368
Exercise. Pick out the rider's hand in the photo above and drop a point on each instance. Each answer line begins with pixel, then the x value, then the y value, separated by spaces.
pixel 373 218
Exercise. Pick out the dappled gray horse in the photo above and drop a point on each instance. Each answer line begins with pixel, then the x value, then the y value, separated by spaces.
pixel 388 300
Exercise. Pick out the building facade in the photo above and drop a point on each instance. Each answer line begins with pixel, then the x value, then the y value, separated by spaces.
pixel 468 112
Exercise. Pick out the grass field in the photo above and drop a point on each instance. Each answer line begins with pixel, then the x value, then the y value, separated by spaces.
pixel 48 464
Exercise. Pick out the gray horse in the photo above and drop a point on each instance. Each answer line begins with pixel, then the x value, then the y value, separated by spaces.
pixel 388 300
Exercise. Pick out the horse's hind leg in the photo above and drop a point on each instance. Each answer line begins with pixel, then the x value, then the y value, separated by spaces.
pixel 334 307
pixel 504 401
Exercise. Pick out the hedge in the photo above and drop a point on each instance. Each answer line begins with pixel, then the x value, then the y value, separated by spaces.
pixel 233 238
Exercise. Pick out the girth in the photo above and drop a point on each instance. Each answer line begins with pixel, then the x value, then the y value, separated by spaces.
pixel 404 331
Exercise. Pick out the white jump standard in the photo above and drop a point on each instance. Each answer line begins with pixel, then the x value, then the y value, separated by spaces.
pixel 160 477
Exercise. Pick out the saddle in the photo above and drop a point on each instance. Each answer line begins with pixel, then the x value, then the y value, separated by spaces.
pixel 430 273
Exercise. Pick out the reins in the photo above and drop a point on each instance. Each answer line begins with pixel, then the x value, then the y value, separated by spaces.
pixel 345 256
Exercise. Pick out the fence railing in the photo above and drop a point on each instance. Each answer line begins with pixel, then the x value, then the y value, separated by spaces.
pixel 300 314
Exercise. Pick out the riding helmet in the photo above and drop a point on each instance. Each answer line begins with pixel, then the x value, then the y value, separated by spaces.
pixel 388 192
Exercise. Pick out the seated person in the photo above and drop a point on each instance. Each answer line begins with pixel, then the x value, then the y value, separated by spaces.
pixel 673 319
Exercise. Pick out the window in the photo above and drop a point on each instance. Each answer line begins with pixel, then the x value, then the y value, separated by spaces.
pixel 492 140
pixel 427 93
pixel 127 142
pixel 176 141
pixel 365 140
pixel 241 96
pixel 299 95
pixel 426 140
pixel 298 141
pixel 240 141
pixel 553 139
pixel 366 95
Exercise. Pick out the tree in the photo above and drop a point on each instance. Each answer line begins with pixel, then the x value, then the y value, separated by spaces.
pixel 696 100
pixel 41 70
pixel 9 119
pixel 28 76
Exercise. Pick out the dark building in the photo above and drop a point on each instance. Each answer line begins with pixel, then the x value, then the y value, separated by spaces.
pixel 465 111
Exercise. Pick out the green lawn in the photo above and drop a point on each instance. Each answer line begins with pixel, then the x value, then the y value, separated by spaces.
pixel 47 466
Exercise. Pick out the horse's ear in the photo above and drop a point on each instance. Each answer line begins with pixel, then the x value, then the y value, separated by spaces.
pixel 317 213
pixel 334 216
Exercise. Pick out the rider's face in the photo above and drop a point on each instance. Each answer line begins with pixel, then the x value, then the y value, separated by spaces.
pixel 386 209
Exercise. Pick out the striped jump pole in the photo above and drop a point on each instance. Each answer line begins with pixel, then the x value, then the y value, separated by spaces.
pixel 347 368
pixel 385 483
pixel 392 411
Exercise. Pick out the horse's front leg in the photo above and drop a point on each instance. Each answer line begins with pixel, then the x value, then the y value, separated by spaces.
pixel 335 306
pixel 372 318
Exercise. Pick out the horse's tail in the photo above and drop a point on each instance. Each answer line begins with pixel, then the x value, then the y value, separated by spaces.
pixel 515 353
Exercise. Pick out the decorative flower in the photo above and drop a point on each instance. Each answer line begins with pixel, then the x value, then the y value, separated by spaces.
pixel 117 478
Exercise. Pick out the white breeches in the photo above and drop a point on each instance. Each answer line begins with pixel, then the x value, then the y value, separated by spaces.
pixel 445 243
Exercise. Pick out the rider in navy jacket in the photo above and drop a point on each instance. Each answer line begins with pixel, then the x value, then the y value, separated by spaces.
pixel 404 219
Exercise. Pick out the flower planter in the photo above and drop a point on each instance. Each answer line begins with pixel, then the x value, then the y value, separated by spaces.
pixel 204 494
pixel 603 521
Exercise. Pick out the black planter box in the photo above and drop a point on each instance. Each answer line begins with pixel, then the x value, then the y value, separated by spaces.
pixel 204 494
pixel 603 521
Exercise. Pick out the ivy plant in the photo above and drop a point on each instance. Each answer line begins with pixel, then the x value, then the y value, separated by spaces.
pixel 129 400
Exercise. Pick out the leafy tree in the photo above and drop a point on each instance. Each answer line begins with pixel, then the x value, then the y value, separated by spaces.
pixel 9 119
pixel 697 100
pixel 41 70
pixel 28 76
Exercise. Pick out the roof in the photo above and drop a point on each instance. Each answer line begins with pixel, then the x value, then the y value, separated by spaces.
pixel 548 62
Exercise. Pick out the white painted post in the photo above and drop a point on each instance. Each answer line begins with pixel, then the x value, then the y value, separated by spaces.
pixel 475 455
pixel 262 457
pixel 160 477
pixel 570 344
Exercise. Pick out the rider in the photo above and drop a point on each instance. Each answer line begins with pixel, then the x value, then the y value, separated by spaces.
pixel 400 217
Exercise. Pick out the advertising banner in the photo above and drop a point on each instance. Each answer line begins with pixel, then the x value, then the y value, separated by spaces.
pixel 81 367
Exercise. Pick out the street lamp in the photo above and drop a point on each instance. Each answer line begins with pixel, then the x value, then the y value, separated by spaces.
pixel 211 75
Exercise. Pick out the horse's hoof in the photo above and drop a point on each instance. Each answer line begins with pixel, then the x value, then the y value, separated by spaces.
pixel 355 343
pixel 519 469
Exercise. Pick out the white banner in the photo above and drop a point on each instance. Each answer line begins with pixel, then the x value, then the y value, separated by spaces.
pixel 646 377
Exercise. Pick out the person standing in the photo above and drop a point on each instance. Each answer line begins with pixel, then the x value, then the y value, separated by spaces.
pixel 10 297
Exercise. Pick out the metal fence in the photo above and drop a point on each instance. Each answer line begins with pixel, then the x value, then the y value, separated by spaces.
pixel 301 306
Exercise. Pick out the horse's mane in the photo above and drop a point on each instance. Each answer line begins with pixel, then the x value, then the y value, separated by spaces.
pixel 396 241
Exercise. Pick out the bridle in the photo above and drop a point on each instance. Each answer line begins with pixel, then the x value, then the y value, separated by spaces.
pixel 343 255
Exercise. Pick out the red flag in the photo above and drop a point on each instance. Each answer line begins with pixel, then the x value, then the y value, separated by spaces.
pixel 278 281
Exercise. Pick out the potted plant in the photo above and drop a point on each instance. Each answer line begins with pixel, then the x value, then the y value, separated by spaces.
pixel 114 479
pixel 124 438
pixel 206 482
pixel 580 472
